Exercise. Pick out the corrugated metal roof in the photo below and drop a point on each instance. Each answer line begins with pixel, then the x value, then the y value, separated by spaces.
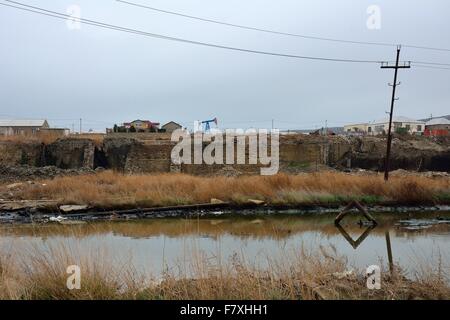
pixel 438 121
pixel 428 119
pixel 398 119
pixel 22 123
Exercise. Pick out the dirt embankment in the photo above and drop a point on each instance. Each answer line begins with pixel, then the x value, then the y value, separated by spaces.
pixel 29 173
pixel 152 154
pixel 408 153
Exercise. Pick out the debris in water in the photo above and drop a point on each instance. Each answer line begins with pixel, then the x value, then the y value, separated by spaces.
pixel 216 201
pixel 254 201
pixel 72 222
pixel 58 219
pixel 421 224
pixel 72 208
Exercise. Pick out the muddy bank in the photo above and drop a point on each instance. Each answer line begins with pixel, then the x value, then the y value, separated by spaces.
pixel 45 213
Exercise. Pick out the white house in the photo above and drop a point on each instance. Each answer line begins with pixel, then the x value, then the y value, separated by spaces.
pixel 356 128
pixel 22 127
pixel 381 126
pixel 408 125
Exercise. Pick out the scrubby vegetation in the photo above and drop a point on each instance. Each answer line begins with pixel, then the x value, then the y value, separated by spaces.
pixel 42 274
pixel 49 137
pixel 110 189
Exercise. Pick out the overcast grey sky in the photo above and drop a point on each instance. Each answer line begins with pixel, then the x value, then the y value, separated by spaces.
pixel 105 76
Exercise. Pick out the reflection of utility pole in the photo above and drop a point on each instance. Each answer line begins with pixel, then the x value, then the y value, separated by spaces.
pixel 394 87
pixel 389 251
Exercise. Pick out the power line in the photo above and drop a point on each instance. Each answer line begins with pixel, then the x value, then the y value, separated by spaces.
pixel 54 14
pixel 426 48
pixel 277 32
pixel 252 28
pixel 58 15
pixel 431 63
pixel 429 67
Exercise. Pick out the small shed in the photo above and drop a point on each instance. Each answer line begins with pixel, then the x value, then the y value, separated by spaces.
pixel 171 126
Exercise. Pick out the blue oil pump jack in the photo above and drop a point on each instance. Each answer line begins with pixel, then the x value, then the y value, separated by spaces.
pixel 207 124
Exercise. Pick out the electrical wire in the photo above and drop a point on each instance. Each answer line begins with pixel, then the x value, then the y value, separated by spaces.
pixel 430 67
pixel 277 32
pixel 54 14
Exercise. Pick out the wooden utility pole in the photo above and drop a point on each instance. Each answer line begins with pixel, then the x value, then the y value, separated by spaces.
pixel 385 65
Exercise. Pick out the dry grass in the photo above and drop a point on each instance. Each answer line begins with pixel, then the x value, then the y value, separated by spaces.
pixel 48 138
pixel 97 138
pixel 38 274
pixel 110 189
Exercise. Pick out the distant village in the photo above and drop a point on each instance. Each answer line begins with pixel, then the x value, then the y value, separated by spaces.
pixel 145 126
pixel 439 126
pixel 435 126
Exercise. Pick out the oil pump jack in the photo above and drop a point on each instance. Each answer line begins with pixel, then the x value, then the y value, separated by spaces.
pixel 207 124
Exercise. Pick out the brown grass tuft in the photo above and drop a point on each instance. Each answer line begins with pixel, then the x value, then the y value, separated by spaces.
pixel 48 138
pixel 110 189
pixel 40 274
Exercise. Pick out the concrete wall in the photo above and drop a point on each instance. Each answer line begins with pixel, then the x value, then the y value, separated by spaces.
pixel 13 153
pixel 71 153
pixel 148 158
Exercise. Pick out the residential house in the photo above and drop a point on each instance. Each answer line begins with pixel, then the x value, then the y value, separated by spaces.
pixel 22 127
pixel 141 126
pixel 359 128
pixel 437 127
pixel 171 127
pixel 399 125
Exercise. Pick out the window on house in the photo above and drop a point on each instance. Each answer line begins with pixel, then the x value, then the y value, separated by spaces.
pixel 419 128
pixel 408 127
pixel 369 129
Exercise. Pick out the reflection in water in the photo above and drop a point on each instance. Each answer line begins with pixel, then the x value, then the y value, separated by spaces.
pixel 153 244
pixel 372 223
pixel 355 243
pixel 389 252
